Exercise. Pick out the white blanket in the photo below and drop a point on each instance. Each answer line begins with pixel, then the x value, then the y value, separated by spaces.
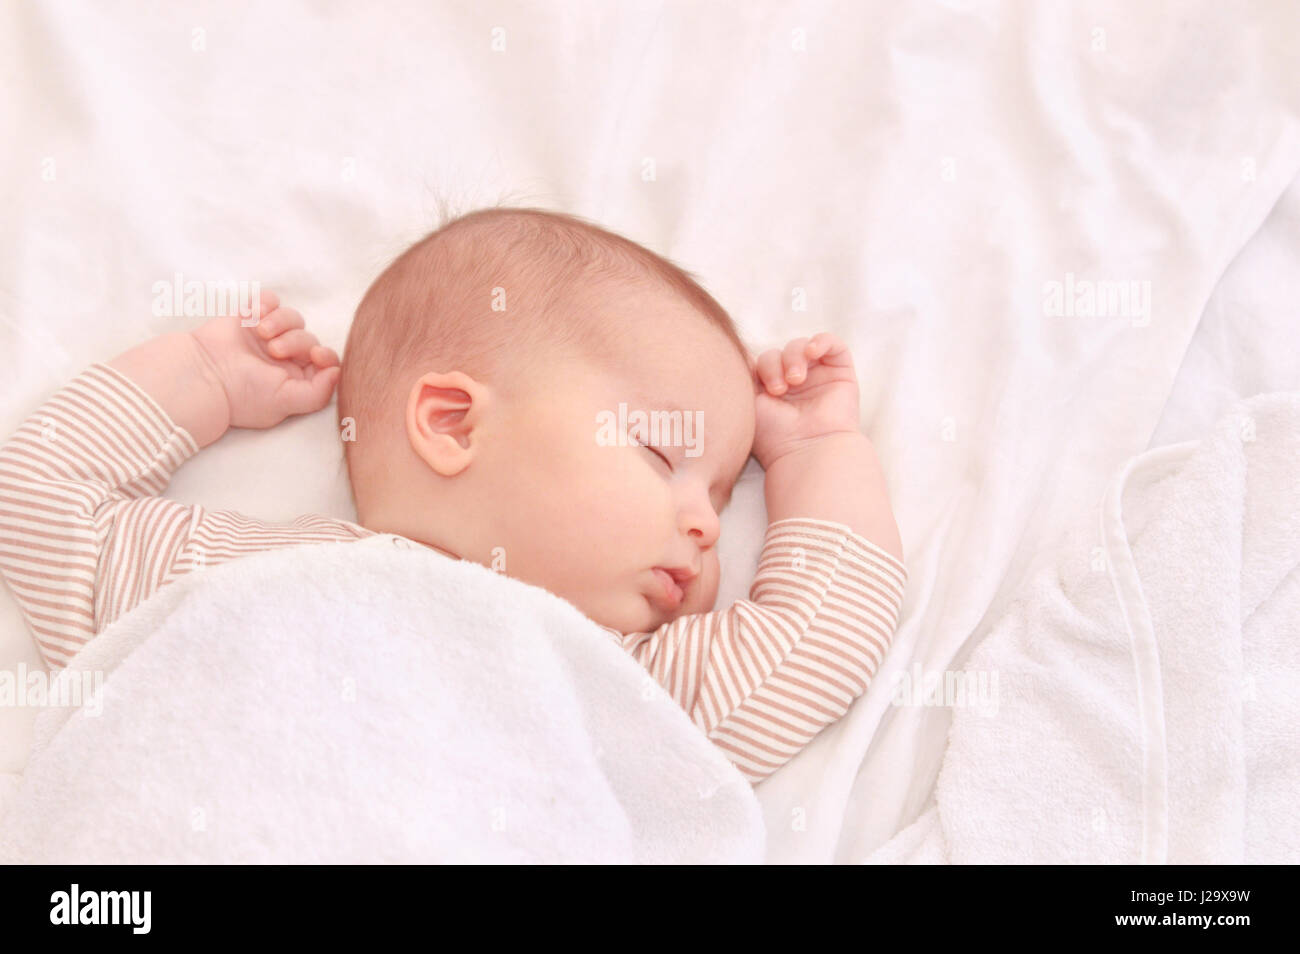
pixel 1145 708
pixel 908 175
pixel 371 702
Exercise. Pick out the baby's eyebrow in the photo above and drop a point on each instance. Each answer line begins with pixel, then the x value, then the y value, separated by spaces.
pixel 644 399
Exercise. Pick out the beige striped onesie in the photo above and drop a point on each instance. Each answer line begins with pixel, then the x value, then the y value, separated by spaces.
pixel 85 536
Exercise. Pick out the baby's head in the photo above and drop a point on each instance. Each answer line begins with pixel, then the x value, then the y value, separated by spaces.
pixel 483 377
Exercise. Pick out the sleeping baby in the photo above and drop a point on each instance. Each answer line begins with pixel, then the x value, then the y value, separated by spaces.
pixel 484 372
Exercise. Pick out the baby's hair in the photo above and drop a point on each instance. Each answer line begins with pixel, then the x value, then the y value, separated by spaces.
pixel 490 293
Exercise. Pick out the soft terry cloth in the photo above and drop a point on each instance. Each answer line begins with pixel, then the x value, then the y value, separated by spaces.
pixel 1146 709
pixel 371 702
pixel 912 172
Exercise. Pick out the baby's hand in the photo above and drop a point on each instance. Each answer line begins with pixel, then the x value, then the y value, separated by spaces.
pixel 803 392
pixel 271 370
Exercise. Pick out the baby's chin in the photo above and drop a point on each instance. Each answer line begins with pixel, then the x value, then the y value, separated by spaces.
pixel 656 615
pixel 637 614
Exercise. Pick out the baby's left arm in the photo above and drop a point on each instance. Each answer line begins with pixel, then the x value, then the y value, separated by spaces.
pixel 818 463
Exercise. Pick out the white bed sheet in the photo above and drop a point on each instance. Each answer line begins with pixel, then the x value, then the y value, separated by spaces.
pixel 919 170
pixel 1248 340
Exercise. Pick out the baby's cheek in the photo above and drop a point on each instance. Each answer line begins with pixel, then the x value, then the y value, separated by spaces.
pixel 712 577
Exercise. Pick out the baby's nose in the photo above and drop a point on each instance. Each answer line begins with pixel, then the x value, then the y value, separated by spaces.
pixel 703 527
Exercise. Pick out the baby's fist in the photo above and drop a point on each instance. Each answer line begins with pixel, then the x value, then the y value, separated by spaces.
pixel 804 391
pixel 270 367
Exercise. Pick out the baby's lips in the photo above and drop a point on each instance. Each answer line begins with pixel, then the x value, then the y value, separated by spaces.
pixel 671 593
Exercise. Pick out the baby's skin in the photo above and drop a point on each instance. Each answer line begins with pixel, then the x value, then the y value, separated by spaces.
pixel 517 468
pixel 794 408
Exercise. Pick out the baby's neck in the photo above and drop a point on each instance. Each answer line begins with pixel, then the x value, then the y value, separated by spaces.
pixel 379 525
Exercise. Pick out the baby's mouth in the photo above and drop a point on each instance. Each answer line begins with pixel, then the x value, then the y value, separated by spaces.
pixel 672 585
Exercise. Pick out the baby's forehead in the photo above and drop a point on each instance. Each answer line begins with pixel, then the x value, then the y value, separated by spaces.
pixel 658 325
pixel 709 385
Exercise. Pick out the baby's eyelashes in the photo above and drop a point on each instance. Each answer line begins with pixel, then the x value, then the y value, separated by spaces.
pixel 717 500
pixel 654 450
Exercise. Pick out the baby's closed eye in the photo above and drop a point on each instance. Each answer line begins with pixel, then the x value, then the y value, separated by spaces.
pixel 654 450
pixel 716 497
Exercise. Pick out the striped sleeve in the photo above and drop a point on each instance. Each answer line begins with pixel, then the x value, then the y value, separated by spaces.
pixel 84 536
pixel 764 676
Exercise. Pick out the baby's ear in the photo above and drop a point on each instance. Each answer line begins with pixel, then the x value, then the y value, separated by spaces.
pixel 442 411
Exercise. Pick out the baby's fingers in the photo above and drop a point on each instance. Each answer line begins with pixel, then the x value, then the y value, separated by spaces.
pixel 793 362
pixel 279 321
pixel 828 349
pixel 265 303
pixel 296 344
pixel 769 371
pixel 310 393
pixel 324 357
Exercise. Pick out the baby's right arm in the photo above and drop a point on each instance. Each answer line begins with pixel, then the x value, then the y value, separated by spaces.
pixel 83 535
pixel 225 374
pixel 766 675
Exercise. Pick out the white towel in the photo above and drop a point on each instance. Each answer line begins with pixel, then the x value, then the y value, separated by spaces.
pixel 371 702
pixel 1146 709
